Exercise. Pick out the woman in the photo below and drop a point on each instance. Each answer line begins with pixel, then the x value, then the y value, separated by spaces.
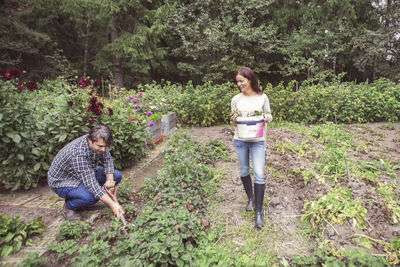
pixel 250 102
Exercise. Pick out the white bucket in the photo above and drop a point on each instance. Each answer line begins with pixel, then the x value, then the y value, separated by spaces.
pixel 250 127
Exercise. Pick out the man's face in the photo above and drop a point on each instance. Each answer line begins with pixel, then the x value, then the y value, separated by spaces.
pixel 98 146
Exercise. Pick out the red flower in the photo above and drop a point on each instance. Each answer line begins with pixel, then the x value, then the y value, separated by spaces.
pixel 90 120
pixel 7 75
pixel 131 118
pixel 31 85
pixel 15 73
pixel 21 86
pixel 97 111
pixel 100 105
pixel 110 111
pixel 96 83
pixel 82 82
pixel 93 100
pixel 69 91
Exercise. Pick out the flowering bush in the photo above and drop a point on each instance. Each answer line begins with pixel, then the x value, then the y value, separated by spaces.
pixel 35 125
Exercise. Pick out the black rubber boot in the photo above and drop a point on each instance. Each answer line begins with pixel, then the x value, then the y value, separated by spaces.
pixel 246 180
pixel 259 199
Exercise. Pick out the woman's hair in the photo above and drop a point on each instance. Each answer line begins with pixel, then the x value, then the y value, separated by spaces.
pixel 249 74
pixel 102 132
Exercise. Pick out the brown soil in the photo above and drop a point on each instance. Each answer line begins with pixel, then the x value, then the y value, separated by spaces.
pixel 286 191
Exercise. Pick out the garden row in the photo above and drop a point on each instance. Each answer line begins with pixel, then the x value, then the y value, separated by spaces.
pixel 336 168
pixel 170 229
pixel 36 124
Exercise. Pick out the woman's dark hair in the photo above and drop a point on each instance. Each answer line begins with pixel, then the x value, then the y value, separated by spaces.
pixel 102 132
pixel 249 74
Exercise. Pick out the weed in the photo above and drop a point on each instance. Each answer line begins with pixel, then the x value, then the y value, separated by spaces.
pixel 389 202
pixel 64 248
pixel 73 230
pixel 14 234
pixel 334 207
pixel 387 126
pixel 34 260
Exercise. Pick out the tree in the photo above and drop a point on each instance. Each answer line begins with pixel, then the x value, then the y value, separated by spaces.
pixel 377 51
pixel 212 39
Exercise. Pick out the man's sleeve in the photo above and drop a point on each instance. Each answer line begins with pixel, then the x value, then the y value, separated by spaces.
pixel 107 162
pixel 86 175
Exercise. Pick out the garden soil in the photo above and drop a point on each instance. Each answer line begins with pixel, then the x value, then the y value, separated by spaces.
pixel 285 193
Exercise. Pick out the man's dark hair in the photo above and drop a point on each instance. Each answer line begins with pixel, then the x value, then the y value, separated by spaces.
pixel 102 132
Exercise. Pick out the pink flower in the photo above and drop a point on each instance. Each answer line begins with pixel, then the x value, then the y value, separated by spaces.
pixel 140 94
pixel 134 100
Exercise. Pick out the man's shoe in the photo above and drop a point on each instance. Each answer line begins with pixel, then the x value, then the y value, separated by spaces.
pixel 70 215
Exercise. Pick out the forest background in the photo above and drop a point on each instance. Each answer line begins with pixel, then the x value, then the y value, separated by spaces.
pixel 131 42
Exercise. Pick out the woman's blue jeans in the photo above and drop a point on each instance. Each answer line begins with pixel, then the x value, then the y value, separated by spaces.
pixel 76 198
pixel 257 152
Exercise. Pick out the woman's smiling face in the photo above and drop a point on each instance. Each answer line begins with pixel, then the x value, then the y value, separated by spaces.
pixel 244 84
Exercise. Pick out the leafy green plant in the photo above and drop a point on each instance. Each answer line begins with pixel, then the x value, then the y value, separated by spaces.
pixel 92 254
pixel 64 248
pixel 206 104
pixel 334 207
pixel 165 237
pixel 325 257
pixel 389 202
pixel 388 126
pixel 74 230
pixel 14 234
pixel 34 260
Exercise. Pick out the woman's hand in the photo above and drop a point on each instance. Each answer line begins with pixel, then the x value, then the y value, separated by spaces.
pixel 232 117
pixel 267 117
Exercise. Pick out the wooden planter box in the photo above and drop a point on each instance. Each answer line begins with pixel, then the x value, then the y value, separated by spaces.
pixel 163 127
pixel 168 124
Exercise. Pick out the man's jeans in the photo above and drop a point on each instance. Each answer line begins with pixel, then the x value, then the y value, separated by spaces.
pixel 257 152
pixel 76 198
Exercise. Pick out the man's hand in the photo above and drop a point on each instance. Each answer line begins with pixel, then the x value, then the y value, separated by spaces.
pixel 109 183
pixel 109 180
pixel 117 210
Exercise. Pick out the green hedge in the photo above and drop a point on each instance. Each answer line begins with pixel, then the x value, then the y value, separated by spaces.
pixel 338 102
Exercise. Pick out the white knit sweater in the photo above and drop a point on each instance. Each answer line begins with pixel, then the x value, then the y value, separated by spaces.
pixel 245 106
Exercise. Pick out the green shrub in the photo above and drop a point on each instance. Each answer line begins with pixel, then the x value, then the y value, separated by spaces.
pixel 14 234
pixel 206 104
pixel 338 102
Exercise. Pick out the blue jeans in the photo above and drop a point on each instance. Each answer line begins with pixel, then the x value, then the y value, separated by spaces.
pixel 257 152
pixel 76 198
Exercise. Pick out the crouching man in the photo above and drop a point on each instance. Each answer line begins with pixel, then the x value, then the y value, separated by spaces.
pixel 75 176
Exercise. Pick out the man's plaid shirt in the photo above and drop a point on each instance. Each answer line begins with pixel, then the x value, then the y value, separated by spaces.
pixel 76 164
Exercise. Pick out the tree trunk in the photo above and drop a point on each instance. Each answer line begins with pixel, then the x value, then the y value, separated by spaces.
pixel 115 59
pixel 85 59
